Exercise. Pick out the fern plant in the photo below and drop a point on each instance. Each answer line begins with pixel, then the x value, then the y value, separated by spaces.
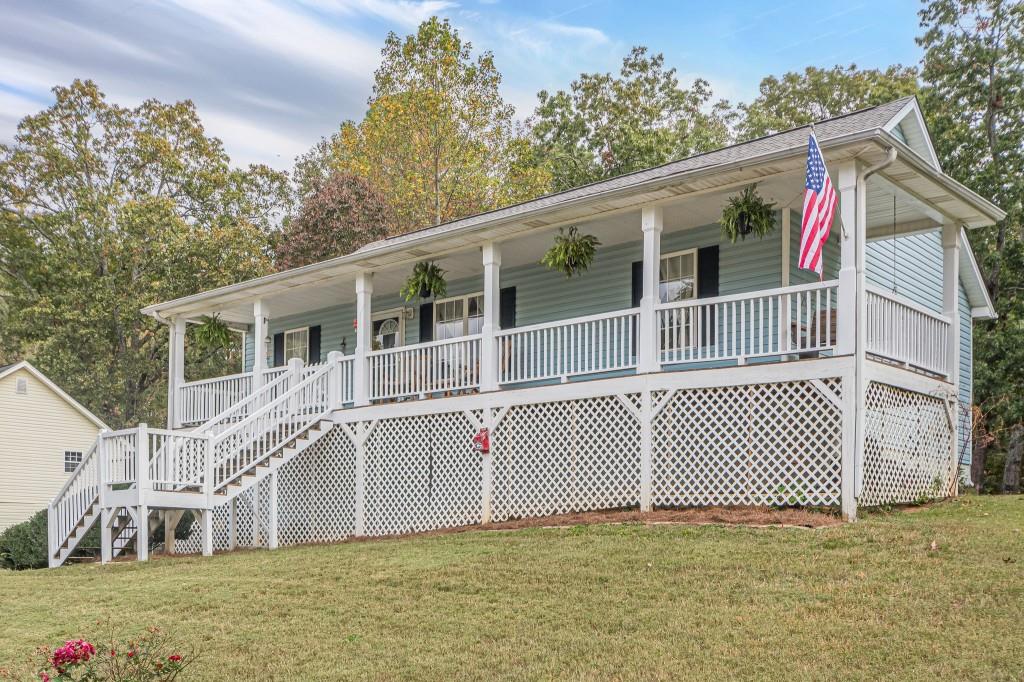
pixel 427 279
pixel 212 333
pixel 572 253
pixel 747 214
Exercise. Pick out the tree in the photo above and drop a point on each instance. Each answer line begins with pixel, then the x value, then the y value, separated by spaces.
pixel 608 125
pixel 343 214
pixel 438 140
pixel 974 96
pixel 798 99
pixel 107 209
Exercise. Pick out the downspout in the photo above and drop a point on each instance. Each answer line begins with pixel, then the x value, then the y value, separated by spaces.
pixel 860 354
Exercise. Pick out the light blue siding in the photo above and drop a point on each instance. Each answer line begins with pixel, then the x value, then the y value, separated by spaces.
pixel 543 295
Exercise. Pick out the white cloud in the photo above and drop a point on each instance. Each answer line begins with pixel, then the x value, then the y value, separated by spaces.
pixel 408 13
pixel 290 33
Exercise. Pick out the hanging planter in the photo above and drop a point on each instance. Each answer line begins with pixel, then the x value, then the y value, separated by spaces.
pixel 426 280
pixel 212 333
pixel 572 253
pixel 747 214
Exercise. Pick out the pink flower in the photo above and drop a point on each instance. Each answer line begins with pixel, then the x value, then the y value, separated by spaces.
pixel 174 658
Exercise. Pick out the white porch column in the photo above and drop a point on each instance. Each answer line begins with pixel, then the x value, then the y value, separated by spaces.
pixel 951 297
pixel 492 317
pixel 651 222
pixel 272 513
pixel 175 370
pixel 846 327
pixel 364 338
pixel 261 313
pixel 142 533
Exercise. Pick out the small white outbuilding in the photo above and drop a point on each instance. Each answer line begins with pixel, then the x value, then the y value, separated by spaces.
pixel 43 435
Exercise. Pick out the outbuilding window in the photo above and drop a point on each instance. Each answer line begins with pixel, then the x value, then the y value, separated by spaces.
pixel 72 458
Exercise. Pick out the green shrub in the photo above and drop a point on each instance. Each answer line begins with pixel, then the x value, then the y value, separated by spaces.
pixel 24 545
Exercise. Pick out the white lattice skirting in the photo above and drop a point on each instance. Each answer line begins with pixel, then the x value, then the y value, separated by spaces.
pixel 758 444
pixel 907 446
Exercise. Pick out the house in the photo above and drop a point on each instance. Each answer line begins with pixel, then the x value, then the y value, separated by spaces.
pixel 681 369
pixel 43 434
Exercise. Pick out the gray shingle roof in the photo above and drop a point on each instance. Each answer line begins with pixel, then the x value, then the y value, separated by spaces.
pixel 855 122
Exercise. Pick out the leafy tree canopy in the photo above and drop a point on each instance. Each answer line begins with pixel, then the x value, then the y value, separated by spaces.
pixel 344 213
pixel 798 99
pixel 607 125
pixel 974 99
pixel 107 209
pixel 438 140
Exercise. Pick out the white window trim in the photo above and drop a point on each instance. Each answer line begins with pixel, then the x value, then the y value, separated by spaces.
pixel 284 343
pixel 391 312
pixel 81 456
pixel 465 310
pixel 674 254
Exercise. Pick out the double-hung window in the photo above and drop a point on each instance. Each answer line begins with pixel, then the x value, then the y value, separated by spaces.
pixel 459 316
pixel 296 345
pixel 677 281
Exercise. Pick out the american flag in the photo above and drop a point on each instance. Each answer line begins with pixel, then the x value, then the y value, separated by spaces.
pixel 819 209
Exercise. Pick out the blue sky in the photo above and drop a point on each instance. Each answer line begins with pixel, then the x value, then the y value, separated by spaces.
pixel 270 77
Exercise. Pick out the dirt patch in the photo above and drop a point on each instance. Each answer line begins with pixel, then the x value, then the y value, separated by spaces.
pixel 754 517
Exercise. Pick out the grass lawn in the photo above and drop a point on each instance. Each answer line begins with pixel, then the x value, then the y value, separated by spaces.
pixel 866 601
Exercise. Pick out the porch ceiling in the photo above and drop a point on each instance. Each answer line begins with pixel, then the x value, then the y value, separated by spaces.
pixel 924 199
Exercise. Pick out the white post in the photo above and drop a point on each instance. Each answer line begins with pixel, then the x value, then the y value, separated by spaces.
pixel 360 487
pixel 142 533
pixel 272 515
pixel 646 449
pixel 951 298
pixel 233 524
pixel 51 536
pixel 175 370
pixel 487 470
pixel 142 484
pixel 294 379
pixel 171 518
pixel 492 317
pixel 786 309
pixel 364 338
pixel 261 313
pixel 206 518
pixel 651 223
pixel 846 330
pixel 334 380
pixel 255 514
pixel 106 535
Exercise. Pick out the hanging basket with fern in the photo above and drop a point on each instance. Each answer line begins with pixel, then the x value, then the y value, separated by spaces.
pixel 572 253
pixel 427 279
pixel 746 214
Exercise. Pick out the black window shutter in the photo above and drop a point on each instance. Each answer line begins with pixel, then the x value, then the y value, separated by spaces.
pixel 507 307
pixel 426 322
pixel 707 286
pixel 314 345
pixel 638 283
pixel 278 349
pixel 707 271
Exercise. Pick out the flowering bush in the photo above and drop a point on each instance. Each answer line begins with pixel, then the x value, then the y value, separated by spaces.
pixel 149 658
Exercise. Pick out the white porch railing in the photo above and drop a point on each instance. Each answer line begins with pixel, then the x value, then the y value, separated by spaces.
pixel 426 368
pixel 565 348
pixel 177 460
pixel 76 497
pixel 200 400
pixel 796 319
pixel 903 331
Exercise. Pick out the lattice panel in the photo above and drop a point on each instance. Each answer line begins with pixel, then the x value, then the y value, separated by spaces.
pixel 316 492
pixel 422 474
pixel 193 544
pixel 758 444
pixel 559 457
pixel 907 440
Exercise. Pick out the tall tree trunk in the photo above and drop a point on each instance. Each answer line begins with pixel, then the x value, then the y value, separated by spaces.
pixel 979 453
pixel 1014 455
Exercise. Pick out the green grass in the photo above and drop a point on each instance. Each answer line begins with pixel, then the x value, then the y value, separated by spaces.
pixel 863 601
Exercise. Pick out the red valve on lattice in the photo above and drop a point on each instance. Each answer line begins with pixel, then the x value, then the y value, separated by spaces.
pixel 482 441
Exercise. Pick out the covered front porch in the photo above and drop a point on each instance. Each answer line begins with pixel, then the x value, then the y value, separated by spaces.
pixel 666 292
